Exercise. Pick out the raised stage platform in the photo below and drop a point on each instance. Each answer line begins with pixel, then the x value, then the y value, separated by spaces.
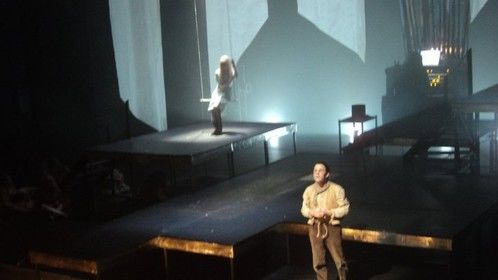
pixel 389 205
pixel 193 144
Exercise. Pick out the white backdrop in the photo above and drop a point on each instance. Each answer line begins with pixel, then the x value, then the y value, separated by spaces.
pixel 136 35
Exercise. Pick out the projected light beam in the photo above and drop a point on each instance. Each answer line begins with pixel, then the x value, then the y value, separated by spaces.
pixel 475 8
pixel 344 21
pixel 136 36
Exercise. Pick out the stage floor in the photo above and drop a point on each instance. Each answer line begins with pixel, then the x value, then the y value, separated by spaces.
pixel 390 204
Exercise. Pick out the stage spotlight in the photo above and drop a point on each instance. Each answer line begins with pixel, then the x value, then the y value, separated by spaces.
pixel 353 131
pixel 442 149
pixel 272 117
pixel 430 57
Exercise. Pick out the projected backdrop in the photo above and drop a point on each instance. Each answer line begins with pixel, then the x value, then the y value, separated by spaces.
pixel 232 25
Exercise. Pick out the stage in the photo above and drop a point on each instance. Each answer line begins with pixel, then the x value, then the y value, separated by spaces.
pixel 390 204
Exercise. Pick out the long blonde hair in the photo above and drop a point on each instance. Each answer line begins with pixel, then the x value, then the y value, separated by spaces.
pixel 226 70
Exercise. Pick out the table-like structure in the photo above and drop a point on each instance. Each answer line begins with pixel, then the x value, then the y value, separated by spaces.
pixel 357 119
pixel 193 144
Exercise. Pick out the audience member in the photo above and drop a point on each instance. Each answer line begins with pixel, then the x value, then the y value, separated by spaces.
pixel 119 185
pixel 53 184
pixel 13 199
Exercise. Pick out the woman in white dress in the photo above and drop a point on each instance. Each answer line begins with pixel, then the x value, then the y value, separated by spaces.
pixel 225 74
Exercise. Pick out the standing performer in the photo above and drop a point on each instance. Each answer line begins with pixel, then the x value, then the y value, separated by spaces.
pixel 225 74
pixel 324 204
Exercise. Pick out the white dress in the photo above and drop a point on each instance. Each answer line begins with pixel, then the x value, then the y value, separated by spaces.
pixel 218 97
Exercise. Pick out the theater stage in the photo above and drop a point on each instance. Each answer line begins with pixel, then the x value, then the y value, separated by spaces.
pixel 390 204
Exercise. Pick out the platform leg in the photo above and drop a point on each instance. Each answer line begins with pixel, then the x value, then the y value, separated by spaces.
pixel 231 166
pixel 232 269
pixel 166 264
pixel 287 248
pixel 294 142
pixel 267 157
